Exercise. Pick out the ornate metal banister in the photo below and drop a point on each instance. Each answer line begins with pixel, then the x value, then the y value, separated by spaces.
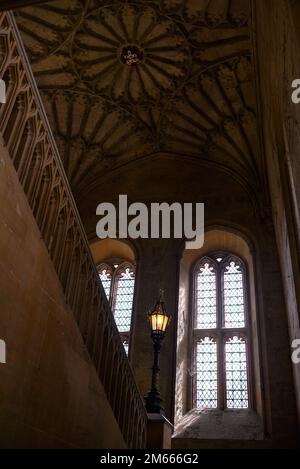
pixel 28 137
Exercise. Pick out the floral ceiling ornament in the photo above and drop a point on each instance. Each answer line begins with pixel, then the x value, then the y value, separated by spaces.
pixel 131 55
pixel 113 36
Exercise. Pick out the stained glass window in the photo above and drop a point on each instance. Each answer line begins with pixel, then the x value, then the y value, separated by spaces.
pixel 105 277
pixel 220 333
pixel 118 281
pixel 206 297
pixel 236 373
pixel 234 308
pixel 123 299
pixel 206 373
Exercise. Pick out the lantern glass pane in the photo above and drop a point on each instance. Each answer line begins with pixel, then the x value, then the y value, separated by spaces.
pixel 166 320
pixel 160 322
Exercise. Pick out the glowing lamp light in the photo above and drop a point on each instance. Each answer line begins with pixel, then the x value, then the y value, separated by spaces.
pixel 159 319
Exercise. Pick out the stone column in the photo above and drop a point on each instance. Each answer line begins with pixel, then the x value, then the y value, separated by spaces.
pixel 158 268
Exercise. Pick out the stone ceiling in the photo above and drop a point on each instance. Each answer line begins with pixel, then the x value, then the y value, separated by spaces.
pixel 124 79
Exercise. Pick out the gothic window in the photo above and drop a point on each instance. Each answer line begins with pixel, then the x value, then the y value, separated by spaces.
pixel 118 279
pixel 221 333
pixel 105 274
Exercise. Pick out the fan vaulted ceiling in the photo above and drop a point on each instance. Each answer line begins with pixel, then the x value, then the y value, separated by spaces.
pixel 125 79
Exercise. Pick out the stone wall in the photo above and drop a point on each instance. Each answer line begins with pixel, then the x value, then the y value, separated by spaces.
pixel 278 64
pixel 50 396
pixel 228 205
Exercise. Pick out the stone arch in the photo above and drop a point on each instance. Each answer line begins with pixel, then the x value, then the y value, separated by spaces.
pixel 217 238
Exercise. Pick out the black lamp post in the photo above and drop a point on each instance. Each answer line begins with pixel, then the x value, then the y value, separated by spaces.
pixel 159 320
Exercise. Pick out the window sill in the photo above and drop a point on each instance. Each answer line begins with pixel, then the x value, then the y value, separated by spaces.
pixel 220 425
